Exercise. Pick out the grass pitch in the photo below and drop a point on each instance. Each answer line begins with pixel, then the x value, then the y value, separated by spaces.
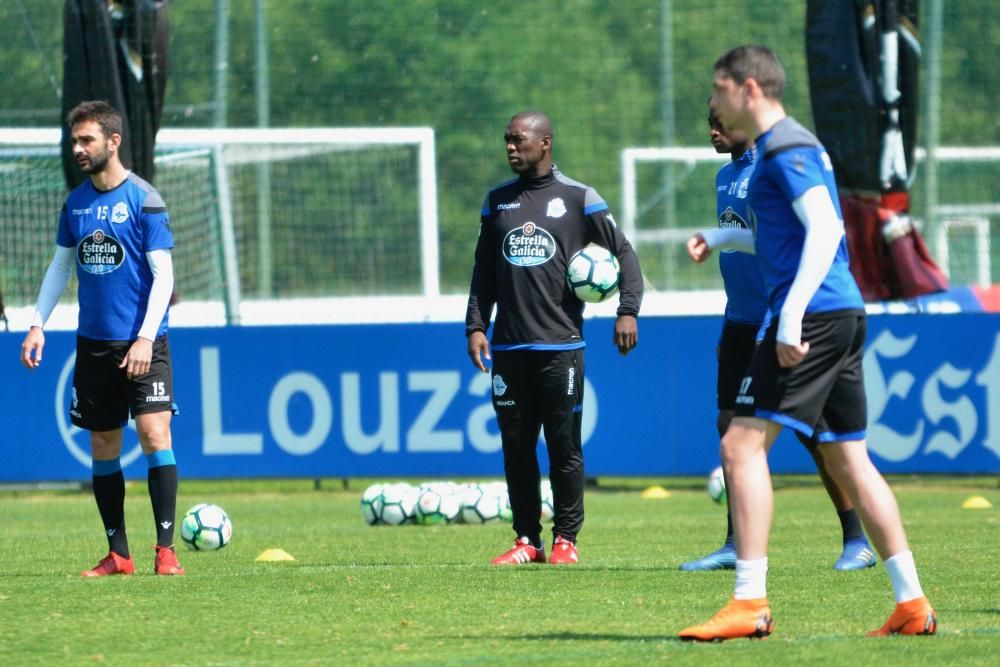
pixel 415 595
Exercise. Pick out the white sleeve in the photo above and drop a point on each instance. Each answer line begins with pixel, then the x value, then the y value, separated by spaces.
pixel 729 237
pixel 53 285
pixel 162 266
pixel 824 229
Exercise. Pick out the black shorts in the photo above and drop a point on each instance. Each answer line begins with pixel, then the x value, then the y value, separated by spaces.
pixel 824 395
pixel 104 397
pixel 736 347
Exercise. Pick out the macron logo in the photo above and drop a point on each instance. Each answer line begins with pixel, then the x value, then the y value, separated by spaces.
pixel 166 524
pixel 508 206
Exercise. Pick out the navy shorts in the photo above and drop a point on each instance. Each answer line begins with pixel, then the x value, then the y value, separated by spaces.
pixel 824 395
pixel 736 348
pixel 104 397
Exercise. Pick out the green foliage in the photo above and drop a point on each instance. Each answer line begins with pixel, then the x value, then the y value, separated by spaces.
pixel 465 67
pixel 405 595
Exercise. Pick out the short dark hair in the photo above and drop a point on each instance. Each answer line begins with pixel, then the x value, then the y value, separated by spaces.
pixel 98 111
pixel 754 62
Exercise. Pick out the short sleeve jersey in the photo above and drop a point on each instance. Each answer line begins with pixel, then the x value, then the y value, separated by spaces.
pixel 112 231
pixel 529 229
pixel 790 162
pixel 746 297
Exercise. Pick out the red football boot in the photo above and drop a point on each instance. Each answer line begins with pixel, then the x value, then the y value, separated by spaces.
pixel 564 552
pixel 111 564
pixel 521 553
pixel 166 561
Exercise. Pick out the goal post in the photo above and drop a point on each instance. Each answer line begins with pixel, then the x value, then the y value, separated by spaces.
pixel 348 213
pixel 963 226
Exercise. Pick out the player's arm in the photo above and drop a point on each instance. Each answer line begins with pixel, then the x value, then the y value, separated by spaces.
pixel 53 285
pixel 722 238
pixel 140 353
pixel 604 231
pixel 824 229
pixel 482 296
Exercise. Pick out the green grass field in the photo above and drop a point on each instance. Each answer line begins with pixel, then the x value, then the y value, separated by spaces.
pixel 414 595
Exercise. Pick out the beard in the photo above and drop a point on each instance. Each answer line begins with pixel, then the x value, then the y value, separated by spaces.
pixel 95 164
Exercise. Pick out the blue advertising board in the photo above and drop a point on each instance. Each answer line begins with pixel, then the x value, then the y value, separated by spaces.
pixel 403 400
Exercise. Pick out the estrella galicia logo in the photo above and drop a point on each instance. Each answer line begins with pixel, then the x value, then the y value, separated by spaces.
pixel 499 386
pixel 528 245
pixel 119 213
pixel 100 253
pixel 730 219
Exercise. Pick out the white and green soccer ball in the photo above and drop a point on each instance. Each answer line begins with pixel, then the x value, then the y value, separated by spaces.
pixel 717 486
pixel 371 504
pixel 593 274
pixel 396 504
pixel 548 504
pixel 206 527
pixel 481 504
pixel 437 505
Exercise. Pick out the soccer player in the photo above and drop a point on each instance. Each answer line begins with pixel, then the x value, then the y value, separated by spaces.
pixel 746 311
pixel 530 227
pixel 115 228
pixel 807 373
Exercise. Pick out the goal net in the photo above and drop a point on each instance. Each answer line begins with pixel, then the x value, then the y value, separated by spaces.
pixel 261 217
pixel 669 193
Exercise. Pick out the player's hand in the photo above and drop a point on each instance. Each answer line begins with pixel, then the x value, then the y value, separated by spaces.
pixel 697 248
pixel 31 348
pixel 626 334
pixel 137 361
pixel 791 355
pixel 478 349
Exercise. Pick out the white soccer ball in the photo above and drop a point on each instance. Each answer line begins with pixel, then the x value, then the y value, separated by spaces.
pixel 438 504
pixel 480 504
pixel 717 486
pixel 499 489
pixel 206 527
pixel 548 504
pixel 397 504
pixel 593 274
pixel 371 504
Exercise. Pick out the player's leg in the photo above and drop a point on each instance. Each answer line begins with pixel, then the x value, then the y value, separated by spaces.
pixel 765 402
pixel 109 494
pixel 854 471
pixel 846 454
pixel 735 350
pixel 562 406
pixel 152 401
pixel 518 417
pixel 99 405
pixel 857 553
pixel 744 456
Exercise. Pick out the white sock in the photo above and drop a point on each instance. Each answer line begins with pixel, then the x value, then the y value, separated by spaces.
pixel 903 575
pixel 751 579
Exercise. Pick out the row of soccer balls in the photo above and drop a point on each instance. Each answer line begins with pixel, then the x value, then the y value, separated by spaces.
pixel 433 503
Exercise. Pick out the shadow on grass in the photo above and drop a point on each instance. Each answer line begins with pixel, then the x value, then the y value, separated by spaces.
pixel 592 637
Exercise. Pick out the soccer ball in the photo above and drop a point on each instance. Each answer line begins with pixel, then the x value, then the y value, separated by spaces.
pixel 717 486
pixel 371 504
pixel 206 527
pixel 548 504
pixel 480 504
pixel 438 504
pixel 397 504
pixel 499 489
pixel 593 274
